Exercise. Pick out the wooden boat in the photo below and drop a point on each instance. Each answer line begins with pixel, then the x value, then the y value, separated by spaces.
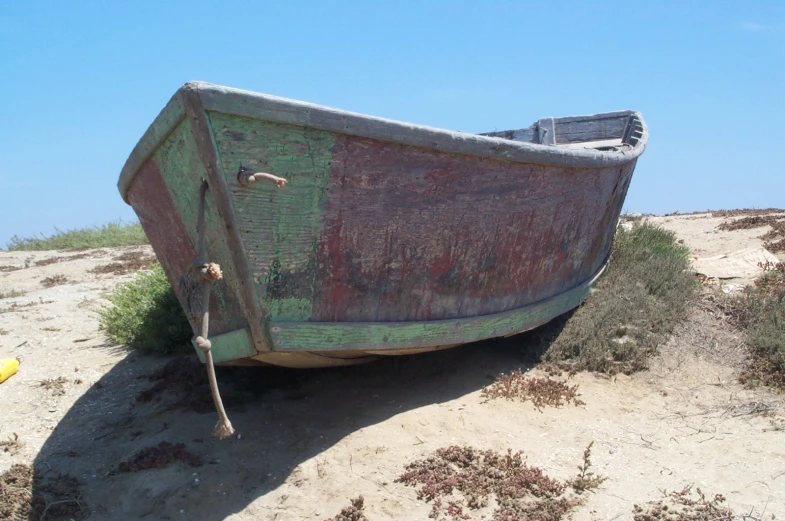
pixel 388 238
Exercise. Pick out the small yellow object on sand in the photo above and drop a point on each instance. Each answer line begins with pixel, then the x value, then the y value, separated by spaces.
pixel 8 367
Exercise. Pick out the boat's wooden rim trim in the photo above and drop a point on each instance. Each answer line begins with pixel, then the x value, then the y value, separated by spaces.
pixel 387 336
pixel 272 108
pixel 163 125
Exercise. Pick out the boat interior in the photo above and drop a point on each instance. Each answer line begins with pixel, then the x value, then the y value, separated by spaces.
pixel 608 131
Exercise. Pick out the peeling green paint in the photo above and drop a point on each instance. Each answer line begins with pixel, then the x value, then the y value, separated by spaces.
pixel 326 336
pixel 280 228
pixel 182 171
pixel 230 346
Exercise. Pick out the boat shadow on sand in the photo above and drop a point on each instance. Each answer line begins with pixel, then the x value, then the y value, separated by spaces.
pixel 284 417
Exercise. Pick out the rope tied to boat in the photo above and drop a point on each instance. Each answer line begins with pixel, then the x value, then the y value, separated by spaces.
pixel 207 273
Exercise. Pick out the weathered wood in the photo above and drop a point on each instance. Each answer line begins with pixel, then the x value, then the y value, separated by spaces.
pixel 528 135
pixel 367 336
pixel 280 229
pixel 573 130
pixel 414 234
pixel 389 237
pixel 234 345
pixel 207 154
pixel 634 130
pixel 181 172
pixel 281 110
pixel 546 134
pixel 168 235
pixel 593 144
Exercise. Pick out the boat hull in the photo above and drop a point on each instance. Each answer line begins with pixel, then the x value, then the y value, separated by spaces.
pixel 387 239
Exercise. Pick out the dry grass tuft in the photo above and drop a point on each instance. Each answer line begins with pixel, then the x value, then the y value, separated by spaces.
pixel 108 235
pixel 11 294
pixel 354 512
pixel 774 239
pixel 12 445
pixel 55 385
pixel 745 212
pixel 460 479
pixel 126 263
pixel 759 311
pixel 541 391
pixel 54 280
pixel 586 479
pixel 683 506
pixel 29 495
pixel 66 258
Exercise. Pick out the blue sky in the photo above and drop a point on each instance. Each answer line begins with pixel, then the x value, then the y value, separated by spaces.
pixel 81 81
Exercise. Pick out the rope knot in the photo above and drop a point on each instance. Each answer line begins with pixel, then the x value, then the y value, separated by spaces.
pixel 213 272
pixel 209 271
pixel 202 343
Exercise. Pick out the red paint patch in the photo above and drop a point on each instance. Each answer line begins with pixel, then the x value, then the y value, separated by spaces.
pixel 415 234
pixel 152 203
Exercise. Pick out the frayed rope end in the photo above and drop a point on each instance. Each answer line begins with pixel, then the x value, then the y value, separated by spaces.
pixel 223 429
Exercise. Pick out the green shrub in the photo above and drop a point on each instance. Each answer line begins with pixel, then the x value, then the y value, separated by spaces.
pixel 106 236
pixel 145 315
pixel 632 310
pixel 11 294
pixel 759 311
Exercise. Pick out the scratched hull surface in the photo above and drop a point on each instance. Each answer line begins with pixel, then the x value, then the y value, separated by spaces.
pixel 388 238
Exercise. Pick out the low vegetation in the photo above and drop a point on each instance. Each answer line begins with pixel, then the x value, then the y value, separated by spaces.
pixel 11 294
pixel 684 505
pixel 12 445
pixel 633 309
pixel 145 315
pixel 541 391
pixel 106 236
pixel 56 386
pixel 773 240
pixel 457 480
pixel 759 311
pixel 54 280
pixel 354 512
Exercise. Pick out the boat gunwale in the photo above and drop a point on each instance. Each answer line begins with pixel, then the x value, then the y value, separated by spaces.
pixel 276 109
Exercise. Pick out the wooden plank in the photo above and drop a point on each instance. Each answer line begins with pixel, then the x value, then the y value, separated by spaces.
pixel 546 134
pixel 168 235
pixel 234 345
pixel 412 234
pixel 280 229
pixel 590 129
pixel 219 193
pixel 593 144
pixel 528 135
pixel 315 336
pixel 181 170
pixel 281 110
pixel 593 117
pixel 634 130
